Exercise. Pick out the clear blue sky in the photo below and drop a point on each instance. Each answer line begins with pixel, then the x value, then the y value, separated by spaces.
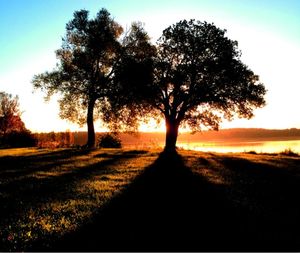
pixel 268 33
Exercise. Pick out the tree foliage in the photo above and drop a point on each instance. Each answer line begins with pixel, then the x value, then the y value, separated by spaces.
pixel 193 77
pixel 133 82
pixel 95 59
pixel 198 65
pixel 10 114
pixel 198 79
pixel 13 132
pixel 86 67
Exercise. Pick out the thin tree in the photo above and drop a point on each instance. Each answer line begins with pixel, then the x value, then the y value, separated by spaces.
pixel 198 79
pixel 86 68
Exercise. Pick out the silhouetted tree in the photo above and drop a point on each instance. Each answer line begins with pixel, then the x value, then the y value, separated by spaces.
pixel 10 114
pixel 94 58
pixel 133 80
pixel 198 79
pixel 86 67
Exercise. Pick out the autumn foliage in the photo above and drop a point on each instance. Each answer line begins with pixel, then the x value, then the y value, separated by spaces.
pixel 13 132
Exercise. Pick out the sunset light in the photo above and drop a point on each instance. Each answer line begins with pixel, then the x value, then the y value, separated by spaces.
pixel 150 126
pixel 267 33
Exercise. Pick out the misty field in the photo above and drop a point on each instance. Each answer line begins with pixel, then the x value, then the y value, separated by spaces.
pixel 122 199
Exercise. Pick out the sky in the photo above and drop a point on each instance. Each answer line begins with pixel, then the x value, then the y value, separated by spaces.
pixel 268 33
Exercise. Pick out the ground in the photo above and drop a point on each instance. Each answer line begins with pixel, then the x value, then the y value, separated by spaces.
pixel 146 200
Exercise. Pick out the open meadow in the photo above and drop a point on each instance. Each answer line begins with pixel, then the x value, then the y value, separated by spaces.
pixel 122 199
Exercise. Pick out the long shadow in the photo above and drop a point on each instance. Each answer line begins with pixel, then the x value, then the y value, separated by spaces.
pixel 20 167
pixel 272 186
pixel 270 194
pixel 170 208
pixel 57 184
pixel 29 191
pixel 24 165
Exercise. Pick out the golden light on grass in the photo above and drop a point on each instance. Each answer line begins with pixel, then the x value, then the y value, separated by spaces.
pixel 205 165
pixel 92 184
pixel 63 189
pixel 23 152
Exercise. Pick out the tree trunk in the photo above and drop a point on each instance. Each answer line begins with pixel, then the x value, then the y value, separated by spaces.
pixel 90 124
pixel 171 135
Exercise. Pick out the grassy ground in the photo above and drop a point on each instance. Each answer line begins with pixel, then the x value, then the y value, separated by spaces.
pixel 127 200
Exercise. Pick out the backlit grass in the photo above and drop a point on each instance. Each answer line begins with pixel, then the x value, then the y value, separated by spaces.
pixel 47 193
pixel 261 183
pixel 100 200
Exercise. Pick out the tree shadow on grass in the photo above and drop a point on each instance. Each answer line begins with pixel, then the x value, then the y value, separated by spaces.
pixel 269 194
pixel 156 212
pixel 23 177
pixel 23 165
pixel 27 190
pixel 170 208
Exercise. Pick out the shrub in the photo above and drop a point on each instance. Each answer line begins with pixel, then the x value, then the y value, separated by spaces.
pixel 289 152
pixel 109 141
pixel 252 152
pixel 18 139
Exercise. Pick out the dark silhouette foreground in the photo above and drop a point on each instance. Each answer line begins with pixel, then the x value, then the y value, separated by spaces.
pixel 170 208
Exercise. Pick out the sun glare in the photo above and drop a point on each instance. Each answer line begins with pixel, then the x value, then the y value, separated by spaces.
pixel 270 53
pixel 152 126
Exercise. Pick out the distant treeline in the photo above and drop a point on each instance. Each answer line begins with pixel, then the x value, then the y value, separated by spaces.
pixel 76 139
pixel 142 140
pixel 61 139
pixel 245 134
pixel 54 140
pixel 234 134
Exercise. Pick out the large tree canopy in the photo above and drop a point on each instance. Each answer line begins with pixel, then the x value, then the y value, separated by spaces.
pixel 86 67
pixel 198 79
pixel 95 58
pixel 193 77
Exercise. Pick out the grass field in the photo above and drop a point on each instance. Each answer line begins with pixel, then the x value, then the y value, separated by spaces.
pixel 120 200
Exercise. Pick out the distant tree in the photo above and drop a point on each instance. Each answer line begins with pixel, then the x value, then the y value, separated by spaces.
pixel 198 79
pixel 10 114
pixel 86 67
pixel 13 132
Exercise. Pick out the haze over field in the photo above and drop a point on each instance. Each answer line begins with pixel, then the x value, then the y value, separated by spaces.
pixel 225 140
